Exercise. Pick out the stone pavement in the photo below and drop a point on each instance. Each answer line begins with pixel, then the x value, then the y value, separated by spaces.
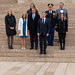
pixel 36 68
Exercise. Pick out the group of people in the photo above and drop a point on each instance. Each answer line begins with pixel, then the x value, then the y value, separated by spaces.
pixel 43 27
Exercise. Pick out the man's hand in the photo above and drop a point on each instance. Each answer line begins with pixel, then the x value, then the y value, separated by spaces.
pixel 11 28
pixel 47 34
pixel 19 31
pixel 28 30
pixel 66 32
pixel 55 26
pixel 38 34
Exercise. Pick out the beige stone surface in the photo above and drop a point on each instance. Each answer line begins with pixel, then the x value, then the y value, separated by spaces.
pixel 37 68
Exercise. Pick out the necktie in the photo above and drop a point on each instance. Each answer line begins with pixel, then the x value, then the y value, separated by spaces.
pixel 50 12
pixel 33 16
pixel 43 21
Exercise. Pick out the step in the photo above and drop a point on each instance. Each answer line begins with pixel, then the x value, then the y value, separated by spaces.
pixel 53 53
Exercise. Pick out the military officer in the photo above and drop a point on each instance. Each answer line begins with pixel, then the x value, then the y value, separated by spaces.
pixel 51 15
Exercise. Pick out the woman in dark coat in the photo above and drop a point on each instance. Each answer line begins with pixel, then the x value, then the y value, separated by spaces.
pixel 10 23
pixel 62 30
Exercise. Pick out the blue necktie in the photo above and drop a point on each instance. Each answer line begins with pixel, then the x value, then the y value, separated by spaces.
pixel 33 17
pixel 43 21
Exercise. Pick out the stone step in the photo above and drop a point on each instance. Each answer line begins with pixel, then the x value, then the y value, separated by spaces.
pixel 18 45
pixel 50 49
pixel 51 53
pixel 37 59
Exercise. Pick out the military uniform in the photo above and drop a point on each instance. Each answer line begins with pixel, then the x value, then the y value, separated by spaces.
pixel 51 15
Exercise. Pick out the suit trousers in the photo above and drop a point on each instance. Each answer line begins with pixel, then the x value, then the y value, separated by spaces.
pixel 42 43
pixel 50 38
pixel 32 41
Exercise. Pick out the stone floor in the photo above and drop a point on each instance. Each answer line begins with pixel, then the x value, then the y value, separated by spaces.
pixel 36 68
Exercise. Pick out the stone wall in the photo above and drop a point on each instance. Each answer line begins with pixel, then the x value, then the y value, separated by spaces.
pixel 22 1
pixel 8 1
pixel 65 1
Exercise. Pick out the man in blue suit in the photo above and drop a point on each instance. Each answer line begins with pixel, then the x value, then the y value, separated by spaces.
pixel 43 31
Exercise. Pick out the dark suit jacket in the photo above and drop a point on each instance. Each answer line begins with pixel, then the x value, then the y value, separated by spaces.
pixel 43 28
pixel 59 13
pixel 51 17
pixel 33 24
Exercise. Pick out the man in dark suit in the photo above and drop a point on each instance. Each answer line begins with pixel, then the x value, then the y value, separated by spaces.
pixel 32 5
pixel 51 15
pixel 62 10
pixel 43 31
pixel 32 27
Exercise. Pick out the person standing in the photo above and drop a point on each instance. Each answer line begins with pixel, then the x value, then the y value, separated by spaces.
pixel 22 29
pixel 43 31
pixel 62 10
pixel 51 15
pixel 62 30
pixel 30 10
pixel 10 23
pixel 32 27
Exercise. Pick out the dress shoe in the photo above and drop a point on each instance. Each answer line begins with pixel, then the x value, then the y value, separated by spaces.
pixel 48 44
pixel 45 53
pixel 31 48
pixel 36 48
pixel 11 47
pixel 52 45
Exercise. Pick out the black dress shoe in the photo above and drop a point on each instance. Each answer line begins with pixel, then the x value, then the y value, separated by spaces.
pixel 31 48
pixel 36 48
pixel 51 45
pixel 48 44
pixel 63 48
pixel 11 47
pixel 45 53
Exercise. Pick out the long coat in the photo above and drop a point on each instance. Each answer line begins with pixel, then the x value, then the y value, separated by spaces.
pixel 20 27
pixel 62 26
pixel 33 24
pixel 10 21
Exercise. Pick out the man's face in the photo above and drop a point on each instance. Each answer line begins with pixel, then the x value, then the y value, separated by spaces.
pixel 43 15
pixel 33 11
pixel 61 5
pixel 50 8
